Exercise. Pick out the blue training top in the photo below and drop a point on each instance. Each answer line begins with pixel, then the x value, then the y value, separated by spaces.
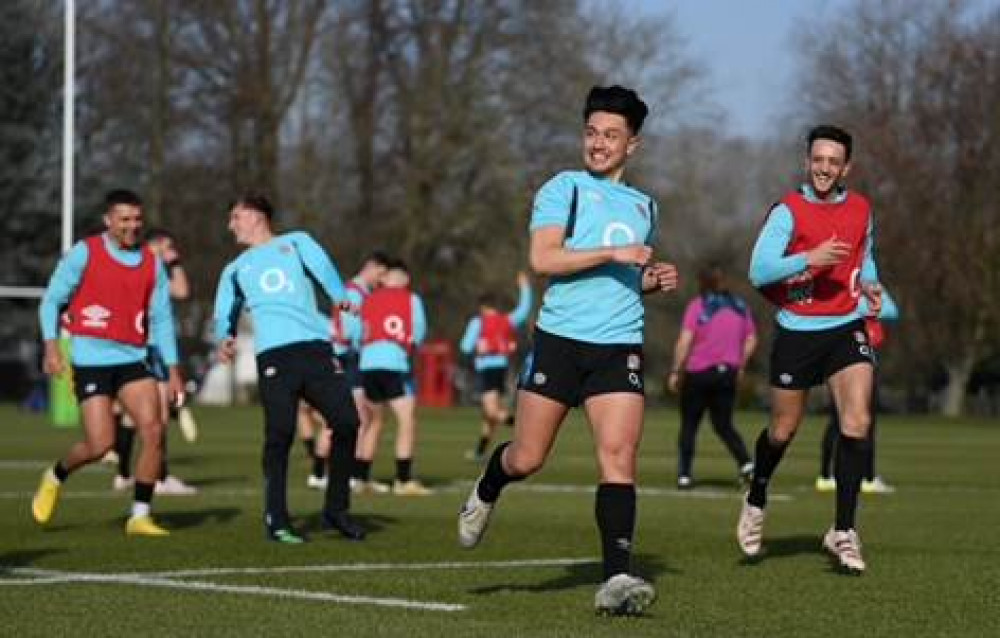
pixel 769 264
pixel 603 304
pixel 274 283
pixel 517 317
pixel 94 351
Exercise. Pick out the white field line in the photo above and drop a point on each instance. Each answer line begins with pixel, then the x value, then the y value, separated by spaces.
pixel 373 567
pixel 49 577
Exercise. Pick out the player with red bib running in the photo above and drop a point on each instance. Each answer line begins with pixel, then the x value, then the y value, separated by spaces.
pixel 813 261
pixel 491 336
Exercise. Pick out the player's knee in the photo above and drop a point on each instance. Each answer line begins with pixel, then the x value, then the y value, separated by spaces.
pixel 521 464
pixel 855 424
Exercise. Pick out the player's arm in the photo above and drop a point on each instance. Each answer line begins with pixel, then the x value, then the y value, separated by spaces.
pixel 521 312
pixel 550 217
pixel 228 305
pixel 658 276
pixel 549 256
pixel 63 282
pixel 419 319
pixel 163 334
pixel 318 262
pixel 769 263
pixel 871 289
pixel 471 336
pixel 682 349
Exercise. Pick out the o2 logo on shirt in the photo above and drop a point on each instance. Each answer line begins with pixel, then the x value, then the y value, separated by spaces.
pixel 274 280
pixel 615 229
pixel 395 327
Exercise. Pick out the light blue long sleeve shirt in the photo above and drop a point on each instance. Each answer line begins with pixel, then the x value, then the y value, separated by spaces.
pixel 94 351
pixel 474 328
pixel 769 264
pixel 273 282
pixel 389 355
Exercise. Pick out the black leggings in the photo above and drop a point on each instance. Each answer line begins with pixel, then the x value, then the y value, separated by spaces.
pixel 713 390
pixel 286 375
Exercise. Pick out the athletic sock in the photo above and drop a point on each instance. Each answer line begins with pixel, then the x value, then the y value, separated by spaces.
pixel 319 466
pixel 59 471
pixel 767 455
pixel 852 454
pixel 495 478
pixel 164 467
pixel 481 446
pixel 124 442
pixel 362 470
pixel 310 446
pixel 143 496
pixel 614 509
pixel 828 449
pixel 404 467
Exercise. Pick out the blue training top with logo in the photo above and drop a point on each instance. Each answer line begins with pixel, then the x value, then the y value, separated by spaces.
pixel 601 305
pixel 274 283
pixel 94 351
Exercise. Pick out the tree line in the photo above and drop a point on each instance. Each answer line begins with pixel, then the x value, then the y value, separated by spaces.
pixel 423 127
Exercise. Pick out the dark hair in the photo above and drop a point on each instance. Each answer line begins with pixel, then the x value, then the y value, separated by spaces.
pixel 377 257
pixel 711 278
pixel 488 299
pixel 121 196
pixel 832 133
pixel 257 202
pixel 618 100
pixel 159 233
pixel 395 263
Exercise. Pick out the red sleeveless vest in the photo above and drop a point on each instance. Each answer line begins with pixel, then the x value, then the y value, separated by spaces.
pixel 112 300
pixel 387 315
pixel 831 290
pixel 496 335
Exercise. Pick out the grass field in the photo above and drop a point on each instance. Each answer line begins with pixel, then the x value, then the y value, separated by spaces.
pixel 932 548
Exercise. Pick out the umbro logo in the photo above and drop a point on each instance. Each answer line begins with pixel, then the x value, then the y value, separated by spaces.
pixel 270 371
pixel 785 378
pixel 539 378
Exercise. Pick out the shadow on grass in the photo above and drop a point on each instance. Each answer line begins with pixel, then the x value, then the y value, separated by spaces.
pixel 650 567
pixel 184 520
pixel 24 558
pixel 373 523
pixel 785 547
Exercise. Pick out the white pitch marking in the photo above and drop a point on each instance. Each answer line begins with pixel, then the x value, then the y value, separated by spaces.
pixel 371 567
pixel 126 579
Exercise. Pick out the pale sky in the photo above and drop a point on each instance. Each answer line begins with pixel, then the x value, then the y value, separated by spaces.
pixel 747 46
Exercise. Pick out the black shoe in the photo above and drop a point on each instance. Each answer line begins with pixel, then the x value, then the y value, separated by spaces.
pixel 343 523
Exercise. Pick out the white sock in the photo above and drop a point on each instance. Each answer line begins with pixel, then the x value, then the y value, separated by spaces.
pixel 140 509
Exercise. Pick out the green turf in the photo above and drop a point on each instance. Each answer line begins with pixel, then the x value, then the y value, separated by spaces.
pixel 932 549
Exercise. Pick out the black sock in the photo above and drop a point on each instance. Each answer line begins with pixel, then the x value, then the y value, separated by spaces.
pixel 319 466
pixel 362 470
pixel 849 466
pixel 767 455
pixel 870 472
pixel 404 467
pixel 615 512
pixel 164 468
pixel 828 448
pixel 509 421
pixel 481 446
pixel 124 442
pixel 144 492
pixel 60 471
pixel 310 446
pixel 494 479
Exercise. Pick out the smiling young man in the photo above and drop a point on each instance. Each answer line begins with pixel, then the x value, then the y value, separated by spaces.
pixel 113 297
pixel 273 281
pixel 813 261
pixel 592 235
